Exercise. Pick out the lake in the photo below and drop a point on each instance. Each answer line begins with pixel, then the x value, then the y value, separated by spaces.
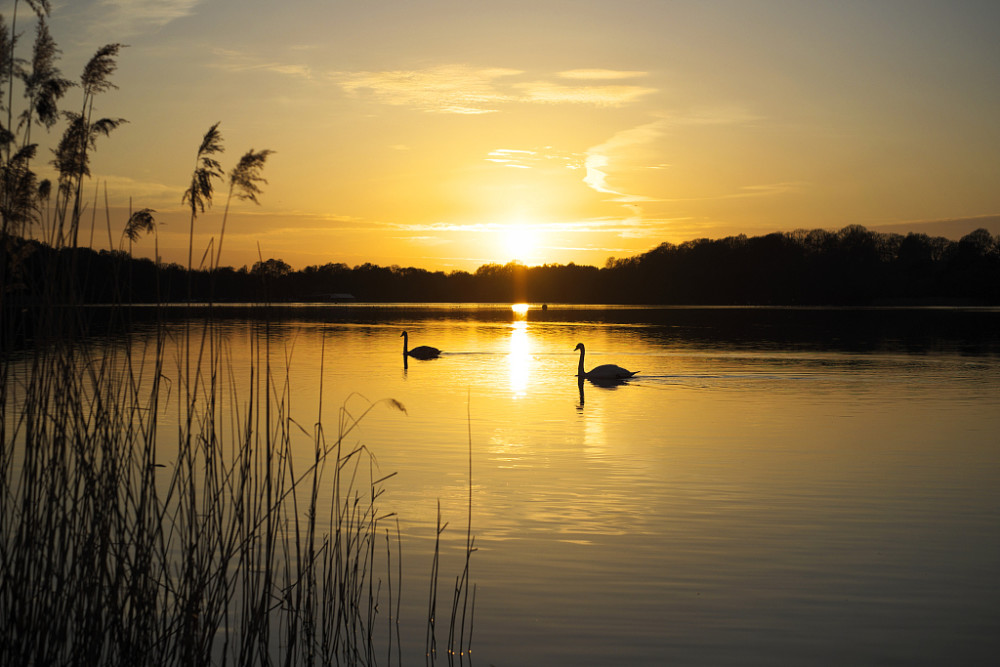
pixel 775 486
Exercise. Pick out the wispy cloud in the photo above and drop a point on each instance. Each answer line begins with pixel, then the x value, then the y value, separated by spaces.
pixel 529 159
pixel 623 227
pixel 547 92
pixel 426 240
pixel 766 190
pixel 144 193
pixel 720 115
pixel 599 158
pixel 464 89
pixel 749 191
pixel 583 90
pixel 237 61
pixel 134 16
pixel 445 89
pixel 626 150
pixel 601 74
pixel 953 228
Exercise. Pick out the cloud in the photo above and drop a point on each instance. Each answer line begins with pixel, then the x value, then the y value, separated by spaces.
pixel 236 61
pixel 596 176
pixel 134 16
pixel 749 191
pixel 765 190
pixel 529 159
pixel 546 92
pixel 952 228
pixel 463 89
pixel 600 74
pixel 444 89
pixel 425 240
pixel 624 150
pixel 599 158
pixel 731 115
pixel 144 193
pixel 623 227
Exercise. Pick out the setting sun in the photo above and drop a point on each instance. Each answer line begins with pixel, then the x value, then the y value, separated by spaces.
pixel 521 243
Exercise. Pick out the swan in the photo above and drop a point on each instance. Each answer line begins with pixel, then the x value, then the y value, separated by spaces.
pixel 604 372
pixel 422 352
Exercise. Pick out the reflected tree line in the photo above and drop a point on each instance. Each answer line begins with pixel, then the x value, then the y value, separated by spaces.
pixel 852 266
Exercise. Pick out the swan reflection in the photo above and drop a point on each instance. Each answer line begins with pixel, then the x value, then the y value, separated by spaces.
pixel 603 383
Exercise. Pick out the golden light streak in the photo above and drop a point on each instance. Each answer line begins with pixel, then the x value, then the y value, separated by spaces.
pixel 519 357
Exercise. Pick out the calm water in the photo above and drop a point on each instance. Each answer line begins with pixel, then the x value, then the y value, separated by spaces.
pixel 775 487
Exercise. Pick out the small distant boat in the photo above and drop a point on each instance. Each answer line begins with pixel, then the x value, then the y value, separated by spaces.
pixel 422 352
pixel 604 372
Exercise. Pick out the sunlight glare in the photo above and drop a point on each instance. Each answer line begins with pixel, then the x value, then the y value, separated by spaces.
pixel 520 310
pixel 520 358
pixel 521 242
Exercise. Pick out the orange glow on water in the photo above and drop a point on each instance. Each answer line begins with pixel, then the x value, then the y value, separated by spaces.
pixel 520 310
pixel 520 357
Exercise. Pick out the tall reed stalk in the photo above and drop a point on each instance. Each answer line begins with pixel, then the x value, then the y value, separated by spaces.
pixel 155 506
pixel 118 546
pixel 459 645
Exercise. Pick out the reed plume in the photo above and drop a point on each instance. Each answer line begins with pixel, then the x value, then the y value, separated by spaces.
pixel 72 157
pixel 199 194
pixel 43 84
pixel 138 222
pixel 243 183
pixel 42 8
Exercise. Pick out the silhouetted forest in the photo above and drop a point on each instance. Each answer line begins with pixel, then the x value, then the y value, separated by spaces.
pixel 853 266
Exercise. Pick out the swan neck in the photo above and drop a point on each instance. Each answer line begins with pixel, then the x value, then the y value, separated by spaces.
pixel 579 369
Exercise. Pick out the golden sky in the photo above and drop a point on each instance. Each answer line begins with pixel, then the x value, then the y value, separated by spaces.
pixel 449 134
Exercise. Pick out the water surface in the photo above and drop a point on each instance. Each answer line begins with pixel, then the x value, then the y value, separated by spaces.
pixel 775 487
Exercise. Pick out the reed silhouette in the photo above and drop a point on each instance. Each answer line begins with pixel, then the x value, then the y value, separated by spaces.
pixel 234 536
pixel 199 194
pixel 243 183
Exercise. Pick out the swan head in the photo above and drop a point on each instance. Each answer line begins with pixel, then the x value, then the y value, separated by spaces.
pixel 403 335
pixel 579 346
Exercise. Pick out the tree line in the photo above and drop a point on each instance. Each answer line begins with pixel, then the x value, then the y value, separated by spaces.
pixel 852 266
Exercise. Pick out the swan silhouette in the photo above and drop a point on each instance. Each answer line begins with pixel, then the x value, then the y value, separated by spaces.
pixel 604 372
pixel 422 352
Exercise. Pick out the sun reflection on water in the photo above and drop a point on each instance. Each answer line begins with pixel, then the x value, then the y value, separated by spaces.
pixel 519 358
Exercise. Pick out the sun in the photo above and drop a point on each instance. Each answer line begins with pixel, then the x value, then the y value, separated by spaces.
pixel 521 241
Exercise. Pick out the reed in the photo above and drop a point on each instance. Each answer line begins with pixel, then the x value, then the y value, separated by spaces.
pixel 122 545
pixel 155 504
pixel 462 612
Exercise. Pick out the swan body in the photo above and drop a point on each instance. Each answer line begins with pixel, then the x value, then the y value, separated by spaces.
pixel 603 372
pixel 421 352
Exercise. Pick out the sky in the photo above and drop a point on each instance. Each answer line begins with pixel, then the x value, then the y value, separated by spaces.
pixel 450 134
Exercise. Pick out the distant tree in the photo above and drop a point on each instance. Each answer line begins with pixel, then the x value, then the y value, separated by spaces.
pixel 271 268
pixel 852 266
pixel 978 244
pixel 973 269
